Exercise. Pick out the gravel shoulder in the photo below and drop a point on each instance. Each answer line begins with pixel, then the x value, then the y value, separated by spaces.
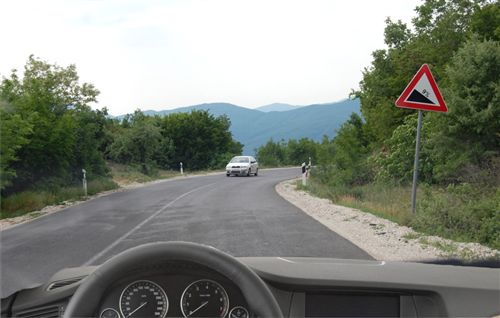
pixel 381 238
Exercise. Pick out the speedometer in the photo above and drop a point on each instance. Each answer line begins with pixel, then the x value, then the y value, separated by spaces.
pixel 143 298
pixel 204 298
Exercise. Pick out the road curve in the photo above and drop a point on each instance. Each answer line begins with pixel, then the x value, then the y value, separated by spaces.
pixel 243 216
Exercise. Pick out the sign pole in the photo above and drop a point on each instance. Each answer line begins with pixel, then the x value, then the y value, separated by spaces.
pixel 415 165
pixel 421 93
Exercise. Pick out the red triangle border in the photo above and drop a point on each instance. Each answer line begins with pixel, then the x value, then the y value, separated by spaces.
pixel 402 103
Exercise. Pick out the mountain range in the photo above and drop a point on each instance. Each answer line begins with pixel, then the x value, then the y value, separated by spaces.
pixel 254 127
pixel 277 107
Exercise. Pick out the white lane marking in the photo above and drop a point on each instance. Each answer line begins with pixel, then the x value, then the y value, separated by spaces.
pixel 138 226
pixel 285 260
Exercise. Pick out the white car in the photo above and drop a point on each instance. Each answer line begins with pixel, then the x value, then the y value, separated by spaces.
pixel 242 165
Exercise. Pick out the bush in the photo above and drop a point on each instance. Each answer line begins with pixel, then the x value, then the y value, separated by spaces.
pixel 461 212
pixel 20 203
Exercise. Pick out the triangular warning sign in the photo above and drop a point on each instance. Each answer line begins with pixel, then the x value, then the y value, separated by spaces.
pixel 422 93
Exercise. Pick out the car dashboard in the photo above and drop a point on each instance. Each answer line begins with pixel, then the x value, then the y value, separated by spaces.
pixel 303 287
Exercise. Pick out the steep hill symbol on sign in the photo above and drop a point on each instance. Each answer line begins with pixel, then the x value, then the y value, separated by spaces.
pixel 422 93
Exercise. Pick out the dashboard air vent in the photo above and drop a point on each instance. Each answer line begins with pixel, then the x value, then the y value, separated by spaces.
pixel 65 282
pixel 45 312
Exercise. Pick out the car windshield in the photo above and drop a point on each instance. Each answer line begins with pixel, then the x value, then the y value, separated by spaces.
pixel 364 130
pixel 240 160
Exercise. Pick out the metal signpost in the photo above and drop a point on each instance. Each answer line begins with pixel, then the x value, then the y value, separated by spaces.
pixel 421 93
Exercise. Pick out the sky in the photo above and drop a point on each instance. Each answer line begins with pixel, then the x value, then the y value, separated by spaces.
pixel 167 54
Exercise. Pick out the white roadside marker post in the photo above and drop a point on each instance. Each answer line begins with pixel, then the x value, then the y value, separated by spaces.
pixel 309 169
pixel 84 182
pixel 304 174
pixel 182 170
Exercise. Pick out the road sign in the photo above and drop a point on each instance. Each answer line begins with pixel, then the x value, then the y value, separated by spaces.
pixel 422 93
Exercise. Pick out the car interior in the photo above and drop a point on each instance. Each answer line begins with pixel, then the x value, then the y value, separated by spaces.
pixel 182 279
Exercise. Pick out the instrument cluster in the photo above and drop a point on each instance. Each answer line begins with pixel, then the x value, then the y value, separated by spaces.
pixel 174 296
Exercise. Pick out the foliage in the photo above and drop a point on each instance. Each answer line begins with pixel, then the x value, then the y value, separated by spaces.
pixel 272 154
pixel 395 161
pixel 200 140
pixel 25 201
pixel 462 212
pixel 457 38
pixel 351 152
pixel 373 156
pixel 486 22
pixel 291 153
pixel 141 143
pixel 466 140
pixel 49 133
pixel 14 132
pixel 59 132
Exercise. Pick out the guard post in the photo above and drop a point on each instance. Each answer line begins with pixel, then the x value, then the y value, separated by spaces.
pixel 84 181
pixel 304 174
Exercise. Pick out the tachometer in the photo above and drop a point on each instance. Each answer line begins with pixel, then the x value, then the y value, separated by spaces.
pixel 143 298
pixel 204 298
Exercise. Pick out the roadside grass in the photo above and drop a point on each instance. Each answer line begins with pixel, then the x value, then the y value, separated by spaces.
pixel 127 174
pixel 391 203
pixel 461 212
pixel 24 202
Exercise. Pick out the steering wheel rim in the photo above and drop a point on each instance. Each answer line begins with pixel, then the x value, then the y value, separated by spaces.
pixel 257 294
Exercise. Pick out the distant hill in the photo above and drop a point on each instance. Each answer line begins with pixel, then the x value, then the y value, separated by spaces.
pixel 277 107
pixel 254 128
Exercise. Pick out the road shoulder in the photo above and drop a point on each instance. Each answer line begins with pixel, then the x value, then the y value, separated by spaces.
pixel 381 238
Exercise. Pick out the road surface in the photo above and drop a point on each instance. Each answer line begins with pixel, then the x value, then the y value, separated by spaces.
pixel 243 216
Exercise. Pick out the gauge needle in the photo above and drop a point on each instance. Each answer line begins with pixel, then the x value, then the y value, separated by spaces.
pixel 142 305
pixel 201 306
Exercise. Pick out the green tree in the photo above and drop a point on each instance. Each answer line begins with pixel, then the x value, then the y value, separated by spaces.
pixel 200 140
pixel 142 143
pixel 14 134
pixel 351 152
pixel 51 98
pixel 468 137
pixel 272 154
pixel 395 161
pixel 325 151
pixel 300 151
pixel 486 22
pixel 440 28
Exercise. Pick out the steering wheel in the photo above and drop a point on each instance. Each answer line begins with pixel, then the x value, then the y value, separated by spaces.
pixel 87 297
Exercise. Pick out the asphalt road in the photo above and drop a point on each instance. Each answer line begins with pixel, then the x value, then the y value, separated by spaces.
pixel 243 216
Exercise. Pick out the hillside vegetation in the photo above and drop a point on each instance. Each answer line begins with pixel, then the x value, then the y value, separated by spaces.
pixel 369 164
pixel 49 133
pixel 253 128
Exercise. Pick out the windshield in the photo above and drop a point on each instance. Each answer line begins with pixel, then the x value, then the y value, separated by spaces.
pixel 240 160
pixel 373 124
